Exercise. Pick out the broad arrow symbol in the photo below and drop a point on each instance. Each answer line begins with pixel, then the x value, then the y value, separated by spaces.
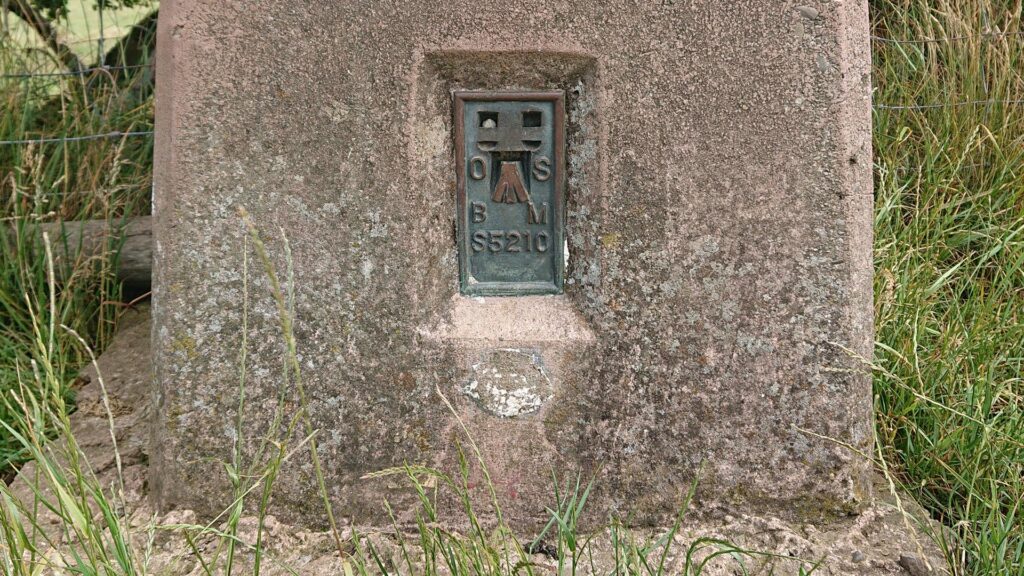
pixel 510 188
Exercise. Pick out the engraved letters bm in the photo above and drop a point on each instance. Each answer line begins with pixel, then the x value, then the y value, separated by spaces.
pixel 510 157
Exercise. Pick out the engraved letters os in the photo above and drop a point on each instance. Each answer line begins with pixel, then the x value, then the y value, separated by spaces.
pixel 477 168
pixel 542 168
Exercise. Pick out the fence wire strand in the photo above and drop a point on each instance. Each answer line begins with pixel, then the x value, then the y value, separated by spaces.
pixel 946 104
pixel 978 36
pixel 138 133
pixel 71 73
pixel 105 136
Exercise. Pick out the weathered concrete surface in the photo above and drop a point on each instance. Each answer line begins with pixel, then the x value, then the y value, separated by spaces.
pixel 881 540
pixel 718 288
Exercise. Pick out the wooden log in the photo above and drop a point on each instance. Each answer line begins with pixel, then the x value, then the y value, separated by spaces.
pixel 75 241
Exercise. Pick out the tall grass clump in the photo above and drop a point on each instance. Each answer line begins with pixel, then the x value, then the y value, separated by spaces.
pixel 42 181
pixel 949 267
pixel 60 517
pixel 92 535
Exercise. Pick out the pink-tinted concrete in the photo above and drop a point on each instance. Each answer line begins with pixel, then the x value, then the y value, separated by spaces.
pixel 717 308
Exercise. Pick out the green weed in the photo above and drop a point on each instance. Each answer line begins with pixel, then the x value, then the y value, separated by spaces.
pixel 92 536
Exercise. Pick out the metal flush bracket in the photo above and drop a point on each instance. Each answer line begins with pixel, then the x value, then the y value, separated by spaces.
pixel 510 167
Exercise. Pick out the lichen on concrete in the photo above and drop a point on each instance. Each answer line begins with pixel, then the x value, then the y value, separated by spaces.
pixel 717 312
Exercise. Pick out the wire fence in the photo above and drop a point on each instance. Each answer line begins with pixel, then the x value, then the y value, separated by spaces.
pixel 102 70
pixel 72 73
pixel 978 36
pixel 106 136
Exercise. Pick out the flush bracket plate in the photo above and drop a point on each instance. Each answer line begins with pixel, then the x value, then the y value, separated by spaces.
pixel 510 174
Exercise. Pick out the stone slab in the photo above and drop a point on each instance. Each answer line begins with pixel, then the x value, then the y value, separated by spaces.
pixel 717 304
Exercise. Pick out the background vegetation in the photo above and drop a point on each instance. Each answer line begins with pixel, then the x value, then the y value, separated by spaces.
pixel 44 178
pixel 949 267
pixel 949 242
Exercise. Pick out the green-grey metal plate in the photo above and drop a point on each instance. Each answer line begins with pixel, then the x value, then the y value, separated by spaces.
pixel 510 158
